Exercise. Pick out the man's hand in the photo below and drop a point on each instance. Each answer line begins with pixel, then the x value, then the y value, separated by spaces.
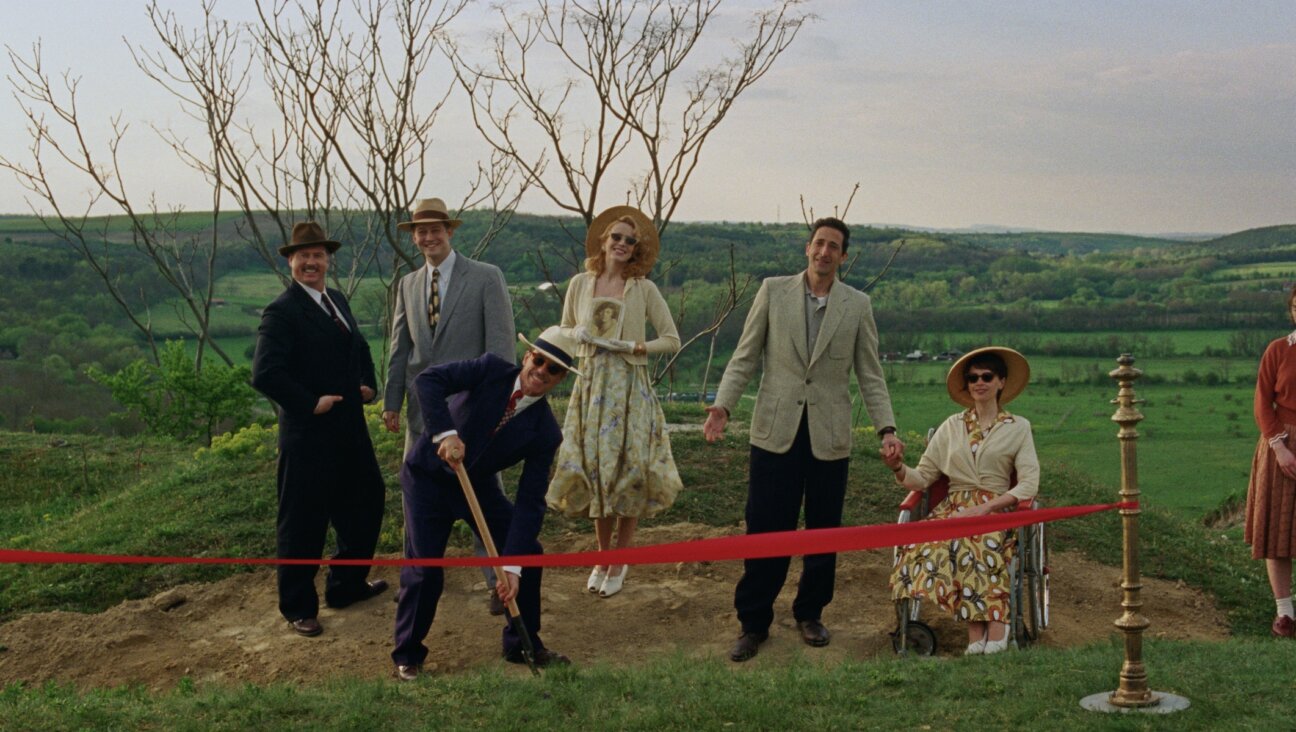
pixel 506 585
pixel 892 447
pixel 326 403
pixel 392 421
pixel 451 450
pixel 366 393
pixel 714 428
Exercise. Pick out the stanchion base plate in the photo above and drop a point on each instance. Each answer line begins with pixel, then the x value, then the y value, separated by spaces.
pixel 1165 703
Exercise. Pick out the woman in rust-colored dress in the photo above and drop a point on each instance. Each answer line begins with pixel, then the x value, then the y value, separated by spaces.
pixel 1271 495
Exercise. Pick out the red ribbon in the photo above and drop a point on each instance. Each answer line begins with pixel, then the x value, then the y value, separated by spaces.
pixel 749 546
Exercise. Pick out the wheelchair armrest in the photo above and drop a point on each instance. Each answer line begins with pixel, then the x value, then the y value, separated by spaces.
pixel 1025 504
pixel 911 501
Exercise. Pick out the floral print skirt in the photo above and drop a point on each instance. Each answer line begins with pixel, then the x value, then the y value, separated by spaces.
pixel 967 577
pixel 615 458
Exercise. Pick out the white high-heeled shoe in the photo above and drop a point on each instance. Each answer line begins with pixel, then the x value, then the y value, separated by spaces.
pixel 975 648
pixel 595 582
pixel 612 584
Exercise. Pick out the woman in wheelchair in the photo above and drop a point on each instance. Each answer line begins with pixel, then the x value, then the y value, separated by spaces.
pixel 981 450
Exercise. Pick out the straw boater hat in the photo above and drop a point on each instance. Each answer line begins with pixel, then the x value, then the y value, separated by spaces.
pixel 1014 382
pixel 558 344
pixel 427 211
pixel 308 234
pixel 647 248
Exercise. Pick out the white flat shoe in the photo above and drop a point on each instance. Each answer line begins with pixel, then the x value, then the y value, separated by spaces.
pixel 595 582
pixel 612 585
pixel 996 646
pixel 976 648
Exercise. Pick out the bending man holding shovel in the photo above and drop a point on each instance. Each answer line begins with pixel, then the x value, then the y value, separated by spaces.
pixel 496 417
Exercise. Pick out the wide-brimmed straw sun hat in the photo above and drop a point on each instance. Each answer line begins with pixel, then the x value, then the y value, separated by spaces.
pixel 558 344
pixel 1014 383
pixel 645 251
pixel 429 211
pixel 308 234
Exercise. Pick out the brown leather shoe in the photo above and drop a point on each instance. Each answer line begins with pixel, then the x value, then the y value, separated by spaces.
pixel 544 657
pixel 408 673
pixel 813 633
pixel 308 627
pixel 1284 627
pixel 496 604
pixel 747 645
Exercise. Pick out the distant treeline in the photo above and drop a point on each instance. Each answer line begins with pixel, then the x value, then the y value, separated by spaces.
pixel 57 318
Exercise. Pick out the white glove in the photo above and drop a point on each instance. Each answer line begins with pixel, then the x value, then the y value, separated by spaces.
pixel 582 334
pixel 612 344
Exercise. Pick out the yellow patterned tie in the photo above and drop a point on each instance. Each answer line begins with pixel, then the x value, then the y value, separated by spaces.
pixel 434 301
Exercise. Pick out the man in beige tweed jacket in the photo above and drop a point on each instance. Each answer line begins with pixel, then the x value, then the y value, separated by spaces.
pixel 809 331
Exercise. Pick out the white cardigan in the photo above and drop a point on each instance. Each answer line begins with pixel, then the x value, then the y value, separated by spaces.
pixel 643 304
pixel 1008 447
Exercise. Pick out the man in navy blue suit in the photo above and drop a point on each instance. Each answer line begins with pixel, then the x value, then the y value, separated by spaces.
pixel 312 360
pixel 496 417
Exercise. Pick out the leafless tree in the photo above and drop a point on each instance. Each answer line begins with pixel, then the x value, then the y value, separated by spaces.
pixel 347 144
pixel 636 98
pixel 59 137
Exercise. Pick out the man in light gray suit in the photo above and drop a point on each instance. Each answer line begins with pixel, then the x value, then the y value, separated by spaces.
pixel 451 309
pixel 810 331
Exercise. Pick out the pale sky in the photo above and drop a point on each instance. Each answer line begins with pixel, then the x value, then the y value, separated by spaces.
pixel 1140 117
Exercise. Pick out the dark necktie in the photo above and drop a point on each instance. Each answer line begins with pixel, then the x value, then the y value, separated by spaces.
pixel 333 314
pixel 434 300
pixel 509 411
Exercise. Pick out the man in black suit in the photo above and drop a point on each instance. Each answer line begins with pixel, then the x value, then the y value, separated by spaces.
pixel 312 361
pixel 497 416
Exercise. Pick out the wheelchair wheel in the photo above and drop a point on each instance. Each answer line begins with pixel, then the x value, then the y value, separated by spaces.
pixel 918 638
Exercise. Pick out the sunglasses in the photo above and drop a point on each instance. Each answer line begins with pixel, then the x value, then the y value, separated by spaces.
pixel 986 376
pixel 553 368
pixel 623 237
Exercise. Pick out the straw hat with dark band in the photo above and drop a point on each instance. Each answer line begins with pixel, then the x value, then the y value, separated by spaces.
pixel 557 344
pixel 308 234
pixel 1014 383
pixel 429 211
pixel 647 248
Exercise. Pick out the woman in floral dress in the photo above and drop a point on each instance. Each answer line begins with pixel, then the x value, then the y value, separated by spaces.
pixel 979 450
pixel 615 464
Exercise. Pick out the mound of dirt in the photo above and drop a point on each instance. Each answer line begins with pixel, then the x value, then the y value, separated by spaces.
pixel 230 631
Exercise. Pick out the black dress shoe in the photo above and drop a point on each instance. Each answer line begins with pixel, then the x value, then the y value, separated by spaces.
pixel 543 657
pixel 496 604
pixel 813 633
pixel 747 645
pixel 408 673
pixel 308 627
pixel 370 590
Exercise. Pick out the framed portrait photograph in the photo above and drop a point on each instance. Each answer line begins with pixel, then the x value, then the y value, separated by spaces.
pixel 605 318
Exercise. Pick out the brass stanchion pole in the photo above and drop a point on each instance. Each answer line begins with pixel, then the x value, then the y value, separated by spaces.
pixel 1133 693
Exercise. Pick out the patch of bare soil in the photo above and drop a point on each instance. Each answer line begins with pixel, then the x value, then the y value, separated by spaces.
pixel 230 631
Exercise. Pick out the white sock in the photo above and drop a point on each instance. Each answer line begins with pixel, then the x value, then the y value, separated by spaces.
pixel 1285 607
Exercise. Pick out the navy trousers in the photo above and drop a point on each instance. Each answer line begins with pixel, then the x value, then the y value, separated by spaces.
pixel 777 484
pixel 433 501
